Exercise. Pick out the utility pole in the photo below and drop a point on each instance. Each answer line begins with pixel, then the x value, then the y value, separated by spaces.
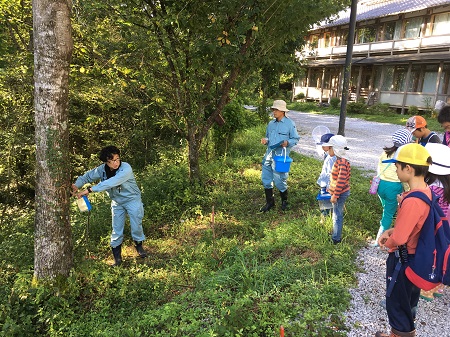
pixel 347 67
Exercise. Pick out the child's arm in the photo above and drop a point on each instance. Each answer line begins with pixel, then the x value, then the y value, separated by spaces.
pixel 383 238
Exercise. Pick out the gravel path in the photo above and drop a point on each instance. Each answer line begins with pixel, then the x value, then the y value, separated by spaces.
pixel 365 315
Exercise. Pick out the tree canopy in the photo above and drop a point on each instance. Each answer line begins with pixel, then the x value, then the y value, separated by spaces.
pixel 188 59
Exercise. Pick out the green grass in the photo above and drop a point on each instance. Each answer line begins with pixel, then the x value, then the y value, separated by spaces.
pixel 242 273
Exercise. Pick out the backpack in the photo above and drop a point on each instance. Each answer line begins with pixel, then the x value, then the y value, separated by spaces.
pixel 429 267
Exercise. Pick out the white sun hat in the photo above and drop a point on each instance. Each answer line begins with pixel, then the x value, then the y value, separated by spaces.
pixel 279 104
pixel 339 144
pixel 440 156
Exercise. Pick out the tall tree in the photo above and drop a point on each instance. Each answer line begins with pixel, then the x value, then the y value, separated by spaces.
pixel 52 54
pixel 191 57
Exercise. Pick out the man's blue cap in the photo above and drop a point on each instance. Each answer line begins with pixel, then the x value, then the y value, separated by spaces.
pixel 325 139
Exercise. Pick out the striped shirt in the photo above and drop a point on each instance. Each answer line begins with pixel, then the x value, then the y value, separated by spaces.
pixel 340 177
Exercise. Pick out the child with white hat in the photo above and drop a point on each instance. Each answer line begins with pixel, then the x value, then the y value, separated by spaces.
pixel 438 178
pixel 339 183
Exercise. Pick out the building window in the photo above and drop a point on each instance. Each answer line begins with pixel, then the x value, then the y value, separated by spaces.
pixel 430 75
pixel 377 83
pixel 423 78
pixel 398 83
pixel 387 32
pixel 413 28
pixel 313 41
pixel 398 31
pixel 388 78
pixel 315 78
pixel 342 37
pixel 366 35
pixel 441 24
pixel 444 84
pixel 327 40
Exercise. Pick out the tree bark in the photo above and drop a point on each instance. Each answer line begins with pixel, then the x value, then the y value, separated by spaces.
pixel 53 44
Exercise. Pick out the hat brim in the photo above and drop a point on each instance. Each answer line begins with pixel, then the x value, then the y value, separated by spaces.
pixel 439 169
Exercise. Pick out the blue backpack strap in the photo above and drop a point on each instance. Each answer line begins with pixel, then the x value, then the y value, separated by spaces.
pixel 398 266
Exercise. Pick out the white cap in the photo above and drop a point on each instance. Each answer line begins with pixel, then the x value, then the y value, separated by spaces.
pixel 339 144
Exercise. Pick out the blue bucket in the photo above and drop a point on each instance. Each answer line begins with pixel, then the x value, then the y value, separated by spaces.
pixel 324 199
pixel 282 163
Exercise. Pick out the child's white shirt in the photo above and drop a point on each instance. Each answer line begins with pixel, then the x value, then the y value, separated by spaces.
pixel 324 177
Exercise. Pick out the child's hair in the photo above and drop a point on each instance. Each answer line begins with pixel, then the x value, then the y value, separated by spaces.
pixel 444 180
pixel 444 114
pixel 390 150
pixel 419 170
pixel 108 153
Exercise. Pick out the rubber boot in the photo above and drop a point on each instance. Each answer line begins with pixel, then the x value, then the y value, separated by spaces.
pixel 117 253
pixel 138 245
pixel 270 201
pixel 284 202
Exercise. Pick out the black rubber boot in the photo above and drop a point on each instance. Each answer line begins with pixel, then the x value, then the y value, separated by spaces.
pixel 117 253
pixel 284 202
pixel 138 245
pixel 270 201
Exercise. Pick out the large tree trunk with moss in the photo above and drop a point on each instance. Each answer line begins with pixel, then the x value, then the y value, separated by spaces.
pixel 52 54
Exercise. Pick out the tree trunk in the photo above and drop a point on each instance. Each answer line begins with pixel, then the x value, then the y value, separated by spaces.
pixel 53 255
pixel 194 154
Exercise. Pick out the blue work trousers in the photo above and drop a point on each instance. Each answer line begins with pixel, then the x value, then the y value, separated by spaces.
pixel 269 176
pixel 135 211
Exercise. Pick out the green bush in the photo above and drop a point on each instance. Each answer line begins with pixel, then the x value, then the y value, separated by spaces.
pixel 300 95
pixel 380 109
pixel 413 110
pixel 236 119
pixel 356 108
pixel 335 102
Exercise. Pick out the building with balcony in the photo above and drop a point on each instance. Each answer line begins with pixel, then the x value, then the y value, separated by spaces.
pixel 401 54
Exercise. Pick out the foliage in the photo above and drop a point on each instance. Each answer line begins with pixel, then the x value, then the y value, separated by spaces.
pixel 300 96
pixel 380 109
pixel 188 60
pixel 413 110
pixel 335 102
pixel 236 119
pixel 237 273
pixel 16 101
pixel 356 108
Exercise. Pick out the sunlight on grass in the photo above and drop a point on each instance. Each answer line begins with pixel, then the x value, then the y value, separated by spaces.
pixel 242 272
pixel 252 173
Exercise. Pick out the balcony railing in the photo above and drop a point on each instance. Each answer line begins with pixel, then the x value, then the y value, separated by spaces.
pixel 385 47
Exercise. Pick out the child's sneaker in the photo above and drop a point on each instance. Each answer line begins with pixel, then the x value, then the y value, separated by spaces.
pixel 427 295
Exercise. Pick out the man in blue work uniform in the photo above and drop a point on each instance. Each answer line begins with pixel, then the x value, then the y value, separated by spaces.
pixel 281 133
pixel 117 180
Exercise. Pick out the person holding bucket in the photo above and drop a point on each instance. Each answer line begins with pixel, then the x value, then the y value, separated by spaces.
pixel 117 180
pixel 281 136
pixel 339 183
